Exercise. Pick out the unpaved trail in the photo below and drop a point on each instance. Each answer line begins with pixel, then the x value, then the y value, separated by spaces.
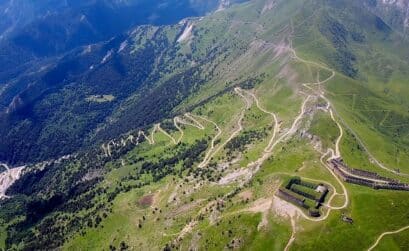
pixel 167 134
pixel 276 125
pixel 209 152
pixel 344 189
pixel 256 165
pixel 239 91
pixel 337 153
pixel 334 155
pixel 263 206
pixel 233 176
pixel 198 124
pixel 285 209
pixel 105 150
pixel 387 233
pixel 189 226
pixel 292 238
pixel 142 134
pixel 341 134
pixel 219 131
pixel 130 138
pixel 293 128
pixel 175 122
pixel 235 133
pixel 108 147
pixel 360 141
pixel 370 155
pixel 151 136
pixel 184 122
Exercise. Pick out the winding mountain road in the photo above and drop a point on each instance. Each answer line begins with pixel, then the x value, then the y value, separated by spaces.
pixel 387 233
pixel 209 152
pixel 235 133
pixel 360 141
pixel 166 134
pixel 176 123
pixel 196 124
pixel 276 124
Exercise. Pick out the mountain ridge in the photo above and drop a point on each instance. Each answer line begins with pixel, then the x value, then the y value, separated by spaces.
pixel 255 127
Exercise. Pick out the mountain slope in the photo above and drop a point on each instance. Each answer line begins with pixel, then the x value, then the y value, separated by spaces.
pixel 235 107
pixel 37 100
pixel 32 33
pixel 395 13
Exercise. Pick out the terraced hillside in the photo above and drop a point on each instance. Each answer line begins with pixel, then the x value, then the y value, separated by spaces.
pixel 274 90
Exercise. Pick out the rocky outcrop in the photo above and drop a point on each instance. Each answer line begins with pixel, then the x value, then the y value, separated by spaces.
pixel 7 179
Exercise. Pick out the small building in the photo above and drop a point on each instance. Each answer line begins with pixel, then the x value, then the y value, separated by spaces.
pixel 314 213
pixel 321 189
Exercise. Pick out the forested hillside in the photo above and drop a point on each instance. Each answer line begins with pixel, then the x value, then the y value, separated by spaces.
pixel 46 112
pixel 266 125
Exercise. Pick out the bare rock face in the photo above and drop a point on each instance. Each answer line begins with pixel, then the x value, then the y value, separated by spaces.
pixel 394 12
pixel 7 178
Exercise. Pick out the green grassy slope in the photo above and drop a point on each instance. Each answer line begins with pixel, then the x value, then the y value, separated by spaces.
pixel 159 195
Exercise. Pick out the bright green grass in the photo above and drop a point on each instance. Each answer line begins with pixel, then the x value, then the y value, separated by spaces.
pixel 364 120
pixel 256 120
pixel 122 223
pixel 297 158
pixel 276 96
pixel 325 128
pixel 375 106
pixel 355 156
pixel 243 228
pixel 394 242
pixel 225 112
pixel 223 109
pixel 366 205
pixel 371 107
pixel 259 121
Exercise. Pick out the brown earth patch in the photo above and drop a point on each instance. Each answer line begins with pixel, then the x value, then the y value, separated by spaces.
pixel 246 195
pixel 186 208
pixel 146 200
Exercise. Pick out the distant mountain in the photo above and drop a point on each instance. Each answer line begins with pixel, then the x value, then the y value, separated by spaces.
pixel 41 51
pixel 34 30
pixel 394 12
